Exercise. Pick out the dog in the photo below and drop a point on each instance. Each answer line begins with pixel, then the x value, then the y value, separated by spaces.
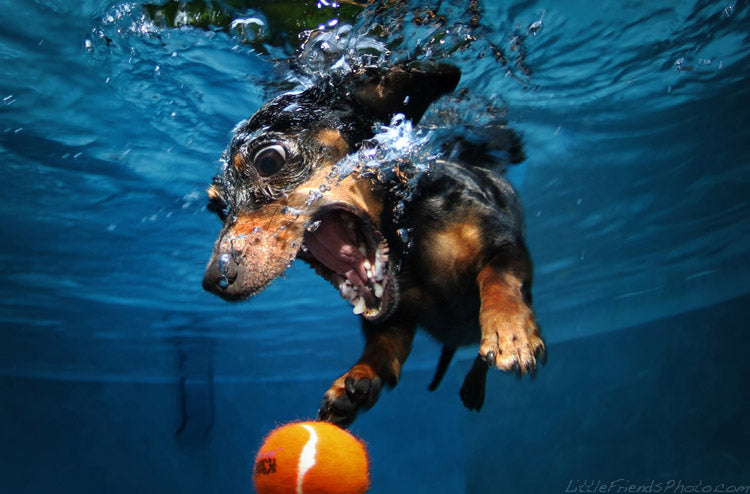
pixel 465 276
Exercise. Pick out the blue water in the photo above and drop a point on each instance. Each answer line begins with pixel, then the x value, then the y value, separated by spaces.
pixel 119 373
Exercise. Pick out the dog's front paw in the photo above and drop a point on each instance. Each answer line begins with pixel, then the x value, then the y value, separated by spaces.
pixel 511 341
pixel 357 389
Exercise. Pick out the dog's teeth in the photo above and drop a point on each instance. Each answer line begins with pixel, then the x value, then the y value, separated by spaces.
pixel 363 249
pixel 378 289
pixel 379 271
pixel 359 306
pixel 347 290
pixel 371 312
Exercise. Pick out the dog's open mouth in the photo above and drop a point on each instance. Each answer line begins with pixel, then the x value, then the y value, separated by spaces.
pixel 345 248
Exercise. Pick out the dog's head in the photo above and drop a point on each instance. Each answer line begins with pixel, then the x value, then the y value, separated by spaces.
pixel 279 198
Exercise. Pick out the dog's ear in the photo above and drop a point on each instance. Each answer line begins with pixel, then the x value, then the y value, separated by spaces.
pixel 407 89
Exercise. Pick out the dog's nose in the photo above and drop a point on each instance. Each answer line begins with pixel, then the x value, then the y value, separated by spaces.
pixel 220 273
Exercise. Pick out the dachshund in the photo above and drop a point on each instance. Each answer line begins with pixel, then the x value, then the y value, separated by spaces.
pixel 465 274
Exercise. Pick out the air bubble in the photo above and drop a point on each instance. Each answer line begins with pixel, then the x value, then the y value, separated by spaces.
pixel 224 261
pixel 398 120
pixel 312 197
pixel 239 243
pixel 223 282
pixel 291 212
pixel 398 210
pixel 249 30
pixel 257 230
pixel 406 238
pixel 312 227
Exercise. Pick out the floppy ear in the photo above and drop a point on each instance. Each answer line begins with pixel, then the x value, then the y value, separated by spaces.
pixel 407 89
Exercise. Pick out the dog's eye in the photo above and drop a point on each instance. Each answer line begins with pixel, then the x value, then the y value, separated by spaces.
pixel 269 160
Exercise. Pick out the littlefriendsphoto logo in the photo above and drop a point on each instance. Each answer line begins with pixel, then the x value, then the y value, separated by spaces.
pixel 625 486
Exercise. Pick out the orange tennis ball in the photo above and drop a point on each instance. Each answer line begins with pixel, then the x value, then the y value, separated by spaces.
pixel 311 458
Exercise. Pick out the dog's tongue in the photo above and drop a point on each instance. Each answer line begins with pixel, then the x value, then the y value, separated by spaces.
pixel 334 245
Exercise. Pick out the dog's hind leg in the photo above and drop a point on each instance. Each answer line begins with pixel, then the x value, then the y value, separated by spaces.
pixel 446 355
pixel 386 348
pixel 472 390
pixel 510 336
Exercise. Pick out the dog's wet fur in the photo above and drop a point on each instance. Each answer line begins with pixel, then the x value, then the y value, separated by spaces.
pixel 465 278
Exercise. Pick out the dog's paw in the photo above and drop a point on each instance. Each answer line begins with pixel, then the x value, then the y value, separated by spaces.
pixel 357 389
pixel 511 341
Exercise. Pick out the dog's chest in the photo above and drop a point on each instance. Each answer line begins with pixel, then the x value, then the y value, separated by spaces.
pixel 454 324
pixel 451 317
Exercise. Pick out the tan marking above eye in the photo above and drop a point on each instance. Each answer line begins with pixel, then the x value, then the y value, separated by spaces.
pixel 332 139
pixel 213 192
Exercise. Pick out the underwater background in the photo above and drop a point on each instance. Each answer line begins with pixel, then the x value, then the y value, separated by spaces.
pixel 118 373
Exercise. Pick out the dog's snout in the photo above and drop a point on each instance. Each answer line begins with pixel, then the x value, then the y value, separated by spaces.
pixel 220 274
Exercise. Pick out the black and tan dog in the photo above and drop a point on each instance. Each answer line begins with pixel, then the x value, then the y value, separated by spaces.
pixel 466 277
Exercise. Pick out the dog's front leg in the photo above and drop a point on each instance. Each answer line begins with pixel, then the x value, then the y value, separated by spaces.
pixel 386 348
pixel 510 336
